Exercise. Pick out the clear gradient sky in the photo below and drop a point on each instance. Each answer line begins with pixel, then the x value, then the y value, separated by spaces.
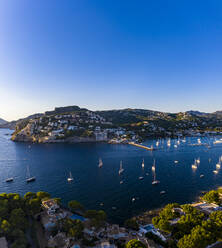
pixel 105 54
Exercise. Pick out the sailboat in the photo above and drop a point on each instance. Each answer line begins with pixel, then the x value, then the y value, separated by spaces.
pixel 194 166
pixel 154 182
pixel 29 177
pixel 218 165
pixel 168 142
pixel 143 164
pixel 217 142
pixel 157 143
pixel 70 178
pixel 121 168
pixel 9 179
pixel 198 160
pixel 100 163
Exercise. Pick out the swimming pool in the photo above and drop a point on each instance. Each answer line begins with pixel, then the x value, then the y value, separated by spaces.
pixel 77 217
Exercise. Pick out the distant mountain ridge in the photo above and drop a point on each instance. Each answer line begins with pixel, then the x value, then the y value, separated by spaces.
pixel 115 114
pixel 2 121
pixel 197 113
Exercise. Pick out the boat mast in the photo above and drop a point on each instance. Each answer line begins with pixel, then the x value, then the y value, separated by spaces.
pixel 28 172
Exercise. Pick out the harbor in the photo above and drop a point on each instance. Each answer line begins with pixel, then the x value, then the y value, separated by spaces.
pixel 94 175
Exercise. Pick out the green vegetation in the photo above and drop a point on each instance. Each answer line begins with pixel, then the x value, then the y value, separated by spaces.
pixel 162 221
pixel 198 238
pixel 73 228
pixel 97 218
pixel 17 219
pixel 156 239
pixel 189 227
pixel 131 224
pixel 212 197
pixel 134 243
pixel 16 213
pixel 75 206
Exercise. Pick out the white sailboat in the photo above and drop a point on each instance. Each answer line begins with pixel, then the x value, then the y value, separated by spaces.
pixel 143 164
pixel 217 142
pixel 198 161
pixel 100 163
pixel 9 179
pixel 218 165
pixel 29 177
pixel 154 182
pixel 199 141
pixel 168 142
pixel 194 166
pixel 157 143
pixel 70 178
pixel 121 168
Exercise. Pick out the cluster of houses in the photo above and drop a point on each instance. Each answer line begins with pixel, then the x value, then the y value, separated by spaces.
pixel 110 234
pixel 107 236
pixel 88 126
pixel 62 126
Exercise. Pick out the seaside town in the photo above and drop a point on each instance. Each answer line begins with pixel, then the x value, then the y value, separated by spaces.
pixel 73 124
pixel 37 220
pixel 110 124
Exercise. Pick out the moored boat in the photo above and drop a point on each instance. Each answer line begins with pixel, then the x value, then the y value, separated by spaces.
pixel 121 170
pixel 70 178
pixel 29 178
pixel 9 179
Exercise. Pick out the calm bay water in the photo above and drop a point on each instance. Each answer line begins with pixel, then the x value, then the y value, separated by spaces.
pixel 51 164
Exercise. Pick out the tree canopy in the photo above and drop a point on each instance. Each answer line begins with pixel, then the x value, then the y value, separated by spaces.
pixel 212 197
pixel 134 243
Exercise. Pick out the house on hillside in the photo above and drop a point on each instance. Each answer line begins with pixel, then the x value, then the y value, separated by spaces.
pixel 50 206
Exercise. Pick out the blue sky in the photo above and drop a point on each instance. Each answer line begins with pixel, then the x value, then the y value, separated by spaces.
pixel 161 55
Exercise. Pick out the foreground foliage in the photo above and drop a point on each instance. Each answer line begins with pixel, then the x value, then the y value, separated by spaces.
pixel 134 243
pixel 190 227
pixel 15 213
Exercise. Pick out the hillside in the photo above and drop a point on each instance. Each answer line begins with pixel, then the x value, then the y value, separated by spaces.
pixel 2 121
pixel 75 124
